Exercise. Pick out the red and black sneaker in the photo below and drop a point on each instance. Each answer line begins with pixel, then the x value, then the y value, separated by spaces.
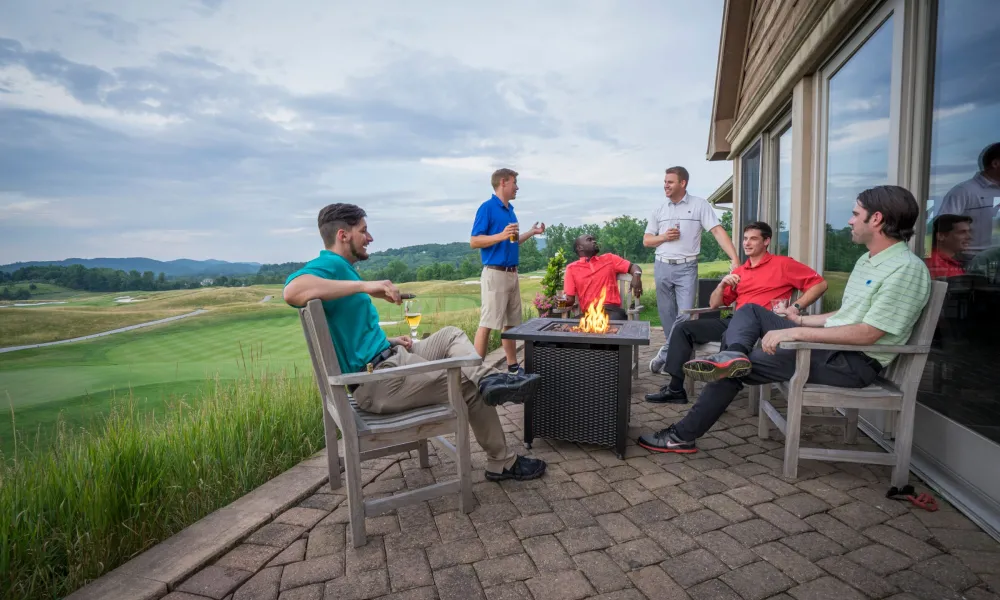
pixel 722 365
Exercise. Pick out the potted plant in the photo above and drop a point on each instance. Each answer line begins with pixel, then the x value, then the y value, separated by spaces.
pixel 552 284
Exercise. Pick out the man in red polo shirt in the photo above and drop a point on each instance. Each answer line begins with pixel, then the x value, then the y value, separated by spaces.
pixel 951 236
pixel 584 279
pixel 762 278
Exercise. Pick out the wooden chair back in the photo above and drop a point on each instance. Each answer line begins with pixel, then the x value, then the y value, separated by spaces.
pixel 325 365
pixel 906 369
pixel 625 291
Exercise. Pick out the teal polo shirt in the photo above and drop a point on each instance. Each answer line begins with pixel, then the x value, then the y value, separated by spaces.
pixel 353 320
pixel 887 291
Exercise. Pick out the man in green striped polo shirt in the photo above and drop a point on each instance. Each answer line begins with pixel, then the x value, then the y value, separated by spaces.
pixel 884 297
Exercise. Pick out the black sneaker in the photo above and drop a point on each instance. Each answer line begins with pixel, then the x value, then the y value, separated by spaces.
pixel 668 396
pixel 718 366
pixel 523 469
pixel 515 369
pixel 666 440
pixel 498 388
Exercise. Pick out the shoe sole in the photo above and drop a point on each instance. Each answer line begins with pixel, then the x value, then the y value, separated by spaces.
pixel 668 450
pixel 504 396
pixel 492 477
pixel 708 371
pixel 681 401
pixel 659 371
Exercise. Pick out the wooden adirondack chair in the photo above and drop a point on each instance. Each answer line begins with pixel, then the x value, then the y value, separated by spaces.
pixel 895 390
pixel 369 435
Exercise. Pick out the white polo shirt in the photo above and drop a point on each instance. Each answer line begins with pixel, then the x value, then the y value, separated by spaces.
pixel 695 216
pixel 978 198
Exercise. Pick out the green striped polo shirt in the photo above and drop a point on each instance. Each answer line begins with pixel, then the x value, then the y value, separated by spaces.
pixel 887 291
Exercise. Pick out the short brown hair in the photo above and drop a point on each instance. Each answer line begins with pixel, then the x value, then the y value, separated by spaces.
pixel 500 175
pixel 762 227
pixel 680 172
pixel 945 224
pixel 898 207
pixel 334 217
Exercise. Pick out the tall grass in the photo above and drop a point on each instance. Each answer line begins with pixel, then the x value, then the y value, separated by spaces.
pixel 96 498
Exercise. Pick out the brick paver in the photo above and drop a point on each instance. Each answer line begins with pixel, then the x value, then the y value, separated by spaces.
pixel 719 524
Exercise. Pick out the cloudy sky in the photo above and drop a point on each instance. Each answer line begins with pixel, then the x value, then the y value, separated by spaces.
pixel 218 128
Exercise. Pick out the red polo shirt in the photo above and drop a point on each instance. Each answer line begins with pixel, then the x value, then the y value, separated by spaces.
pixel 586 278
pixel 773 277
pixel 943 266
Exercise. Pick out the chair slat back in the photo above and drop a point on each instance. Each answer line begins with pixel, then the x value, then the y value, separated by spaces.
pixel 908 368
pixel 325 365
pixel 625 289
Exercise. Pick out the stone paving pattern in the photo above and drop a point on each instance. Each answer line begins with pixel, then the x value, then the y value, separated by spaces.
pixel 720 524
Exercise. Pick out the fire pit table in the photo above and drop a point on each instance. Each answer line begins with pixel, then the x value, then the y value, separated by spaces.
pixel 586 387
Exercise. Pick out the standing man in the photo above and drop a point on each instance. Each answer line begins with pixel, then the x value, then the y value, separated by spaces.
pixel 495 233
pixel 978 198
pixel 675 231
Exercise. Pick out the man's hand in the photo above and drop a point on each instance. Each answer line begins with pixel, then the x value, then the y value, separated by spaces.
pixel 637 286
pixel 538 229
pixel 731 280
pixel 672 235
pixel 789 312
pixel 774 337
pixel 384 289
pixel 403 340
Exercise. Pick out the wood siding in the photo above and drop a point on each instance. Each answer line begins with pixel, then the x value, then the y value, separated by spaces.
pixel 772 24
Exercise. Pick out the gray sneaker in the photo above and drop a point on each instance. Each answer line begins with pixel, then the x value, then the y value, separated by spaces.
pixel 718 366
pixel 659 362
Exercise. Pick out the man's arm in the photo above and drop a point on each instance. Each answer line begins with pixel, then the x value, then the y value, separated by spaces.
pixel 726 244
pixel 859 334
pixel 811 295
pixel 485 241
pixel 636 272
pixel 304 288
pixel 718 297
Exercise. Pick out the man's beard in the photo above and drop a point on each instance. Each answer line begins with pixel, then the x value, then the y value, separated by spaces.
pixel 358 252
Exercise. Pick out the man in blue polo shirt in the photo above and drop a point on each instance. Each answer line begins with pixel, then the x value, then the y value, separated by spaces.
pixel 361 345
pixel 496 234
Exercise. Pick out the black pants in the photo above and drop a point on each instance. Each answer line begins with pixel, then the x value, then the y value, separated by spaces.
pixel 748 325
pixel 686 336
pixel 615 312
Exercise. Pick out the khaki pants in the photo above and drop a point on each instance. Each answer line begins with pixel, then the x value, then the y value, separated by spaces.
pixel 423 389
pixel 501 299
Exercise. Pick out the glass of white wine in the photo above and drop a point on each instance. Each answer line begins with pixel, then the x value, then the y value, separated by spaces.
pixel 411 310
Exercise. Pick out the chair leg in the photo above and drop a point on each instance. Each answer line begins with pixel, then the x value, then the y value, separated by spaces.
pixel 763 424
pixel 763 393
pixel 851 426
pixel 463 452
pixel 355 500
pixel 422 452
pixel 904 440
pixel 793 428
pixel 332 452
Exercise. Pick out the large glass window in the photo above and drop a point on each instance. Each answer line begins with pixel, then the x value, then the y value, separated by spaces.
pixel 857 149
pixel 749 188
pixel 784 187
pixel 962 245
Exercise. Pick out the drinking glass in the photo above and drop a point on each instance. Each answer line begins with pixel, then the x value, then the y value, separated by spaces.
pixel 411 310
pixel 513 236
pixel 779 304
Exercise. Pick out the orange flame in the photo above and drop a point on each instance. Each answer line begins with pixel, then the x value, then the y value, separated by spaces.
pixel 595 320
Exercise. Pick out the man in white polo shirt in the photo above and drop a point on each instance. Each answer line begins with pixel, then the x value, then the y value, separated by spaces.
pixel 675 231
pixel 979 199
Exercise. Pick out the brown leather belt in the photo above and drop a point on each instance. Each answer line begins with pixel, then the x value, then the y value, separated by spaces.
pixel 499 268
pixel 380 358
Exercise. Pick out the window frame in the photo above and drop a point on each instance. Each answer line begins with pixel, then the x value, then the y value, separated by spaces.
pixel 770 178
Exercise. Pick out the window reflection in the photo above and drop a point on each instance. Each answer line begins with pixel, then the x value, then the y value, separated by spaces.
pixel 750 174
pixel 962 244
pixel 857 150
pixel 784 190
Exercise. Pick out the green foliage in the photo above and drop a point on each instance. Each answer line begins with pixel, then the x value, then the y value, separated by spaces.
pixel 97 497
pixel 552 282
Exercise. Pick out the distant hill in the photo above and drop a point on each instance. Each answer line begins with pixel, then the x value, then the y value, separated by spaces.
pixel 182 267
pixel 420 255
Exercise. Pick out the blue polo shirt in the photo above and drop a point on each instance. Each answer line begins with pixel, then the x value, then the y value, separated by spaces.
pixel 353 320
pixel 491 218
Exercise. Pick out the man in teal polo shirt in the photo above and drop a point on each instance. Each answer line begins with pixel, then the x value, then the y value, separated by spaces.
pixel 361 344
pixel 884 297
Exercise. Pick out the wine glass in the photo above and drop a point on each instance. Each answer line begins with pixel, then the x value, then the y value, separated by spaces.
pixel 411 310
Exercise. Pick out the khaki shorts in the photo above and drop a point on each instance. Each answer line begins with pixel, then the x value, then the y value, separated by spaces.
pixel 501 299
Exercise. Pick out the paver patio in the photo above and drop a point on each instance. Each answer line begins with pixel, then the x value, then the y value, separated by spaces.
pixel 716 525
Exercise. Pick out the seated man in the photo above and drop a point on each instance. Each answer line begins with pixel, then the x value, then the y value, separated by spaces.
pixel 951 236
pixel 885 294
pixel 361 344
pixel 762 278
pixel 595 272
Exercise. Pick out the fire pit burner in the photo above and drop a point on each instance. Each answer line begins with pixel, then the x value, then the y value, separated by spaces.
pixel 575 328
pixel 586 387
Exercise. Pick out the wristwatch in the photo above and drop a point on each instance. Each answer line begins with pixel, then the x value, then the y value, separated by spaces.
pixel 797 307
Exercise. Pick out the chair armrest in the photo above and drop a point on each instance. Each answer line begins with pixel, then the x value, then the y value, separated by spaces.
pixel 908 349
pixel 394 372
pixel 694 312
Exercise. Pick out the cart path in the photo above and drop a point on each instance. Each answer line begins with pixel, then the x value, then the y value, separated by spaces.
pixel 104 333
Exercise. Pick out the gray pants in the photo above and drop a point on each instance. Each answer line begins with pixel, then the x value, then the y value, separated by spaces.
pixel 675 290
